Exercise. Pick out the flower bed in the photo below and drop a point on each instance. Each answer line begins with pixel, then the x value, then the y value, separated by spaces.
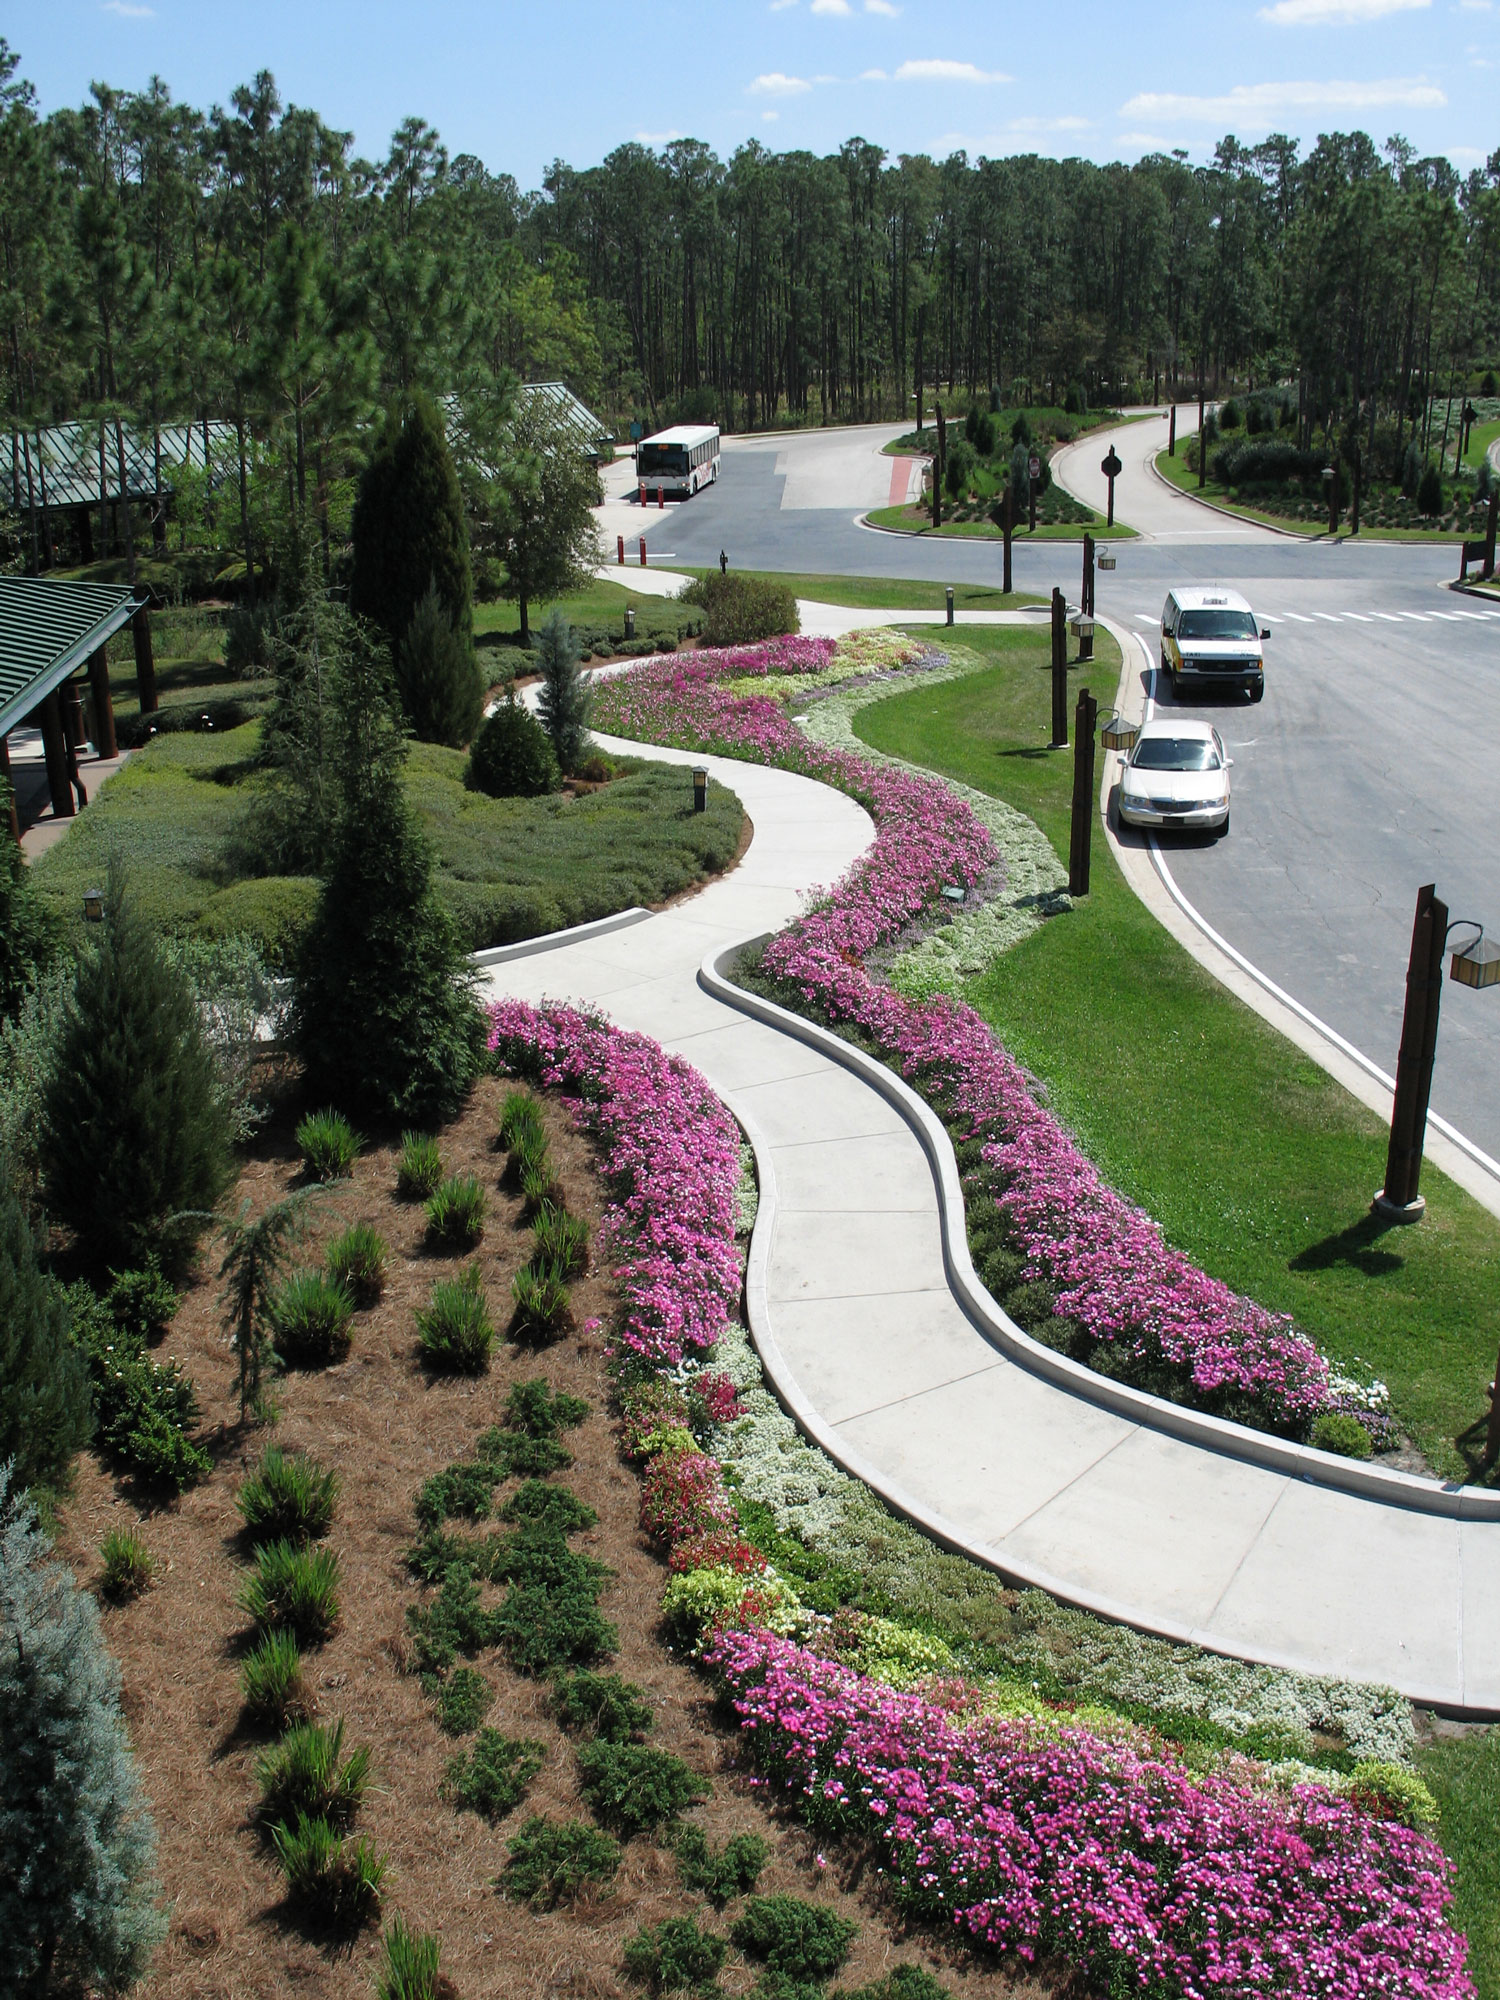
pixel 1028 1831
pixel 1046 1841
pixel 1115 1294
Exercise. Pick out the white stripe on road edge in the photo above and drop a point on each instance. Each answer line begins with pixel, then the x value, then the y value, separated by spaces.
pixel 1201 923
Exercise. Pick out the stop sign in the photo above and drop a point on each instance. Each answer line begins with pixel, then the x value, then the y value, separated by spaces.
pixel 1111 466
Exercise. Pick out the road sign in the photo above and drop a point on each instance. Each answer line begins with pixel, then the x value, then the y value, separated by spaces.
pixel 1111 466
pixel 1035 467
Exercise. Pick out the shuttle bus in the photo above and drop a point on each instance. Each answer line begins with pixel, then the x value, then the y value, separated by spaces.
pixel 678 461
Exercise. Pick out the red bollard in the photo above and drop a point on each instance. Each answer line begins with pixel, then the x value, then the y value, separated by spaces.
pixel 643 551
pixel 620 550
pixel 661 497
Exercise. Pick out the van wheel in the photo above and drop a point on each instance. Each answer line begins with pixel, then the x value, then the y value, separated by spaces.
pixel 1258 691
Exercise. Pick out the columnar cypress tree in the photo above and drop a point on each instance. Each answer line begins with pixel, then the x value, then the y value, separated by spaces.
pixel 565 697
pixel 45 1411
pixel 437 676
pixel 77 1885
pixel 383 1018
pixel 134 1134
pixel 410 537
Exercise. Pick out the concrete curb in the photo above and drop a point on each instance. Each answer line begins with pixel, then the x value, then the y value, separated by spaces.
pixel 502 954
pixel 1395 1489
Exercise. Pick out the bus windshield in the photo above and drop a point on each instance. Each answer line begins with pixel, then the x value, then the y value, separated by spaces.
pixel 663 458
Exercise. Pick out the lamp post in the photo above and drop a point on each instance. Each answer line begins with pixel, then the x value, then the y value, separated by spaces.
pixel 700 790
pixel 1059 672
pixel 1474 964
pixel 1331 494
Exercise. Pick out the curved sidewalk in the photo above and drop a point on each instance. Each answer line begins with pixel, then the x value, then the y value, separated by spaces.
pixel 855 1306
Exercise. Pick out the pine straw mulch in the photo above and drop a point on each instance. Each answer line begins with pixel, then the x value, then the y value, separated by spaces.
pixel 386 1426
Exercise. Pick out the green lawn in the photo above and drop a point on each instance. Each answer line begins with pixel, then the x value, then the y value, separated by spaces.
pixel 1253 1161
pixel 1480 439
pixel 1464 1775
pixel 918 521
pixel 506 868
pixel 1181 476
pixel 887 593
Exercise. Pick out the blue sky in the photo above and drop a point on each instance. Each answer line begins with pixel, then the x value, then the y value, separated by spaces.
pixel 522 84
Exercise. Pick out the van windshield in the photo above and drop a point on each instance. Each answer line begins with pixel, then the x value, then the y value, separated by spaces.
pixel 1217 625
pixel 1175 753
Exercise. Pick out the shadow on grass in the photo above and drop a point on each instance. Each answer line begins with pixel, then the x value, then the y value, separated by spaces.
pixel 1354 1246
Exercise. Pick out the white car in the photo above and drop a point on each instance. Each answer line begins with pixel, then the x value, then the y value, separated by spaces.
pixel 1177 775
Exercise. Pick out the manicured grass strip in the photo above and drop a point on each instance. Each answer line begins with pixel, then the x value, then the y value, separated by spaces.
pixel 1254 1162
pixel 1464 1775
pixel 889 593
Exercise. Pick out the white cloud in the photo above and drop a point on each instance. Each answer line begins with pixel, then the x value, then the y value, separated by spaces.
pixel 1149 142
pixel 769 117
pixel 1335 13
pixel 774 84
pixel 777 6
pixel 1467 156
pixel 127 12
pixel 882 7
pixel 1253 105
pixel 831 7
pixel 937 69
pixel 658 138
pixel 873 76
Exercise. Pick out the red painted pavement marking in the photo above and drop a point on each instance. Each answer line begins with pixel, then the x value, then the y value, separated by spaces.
pixel 900 481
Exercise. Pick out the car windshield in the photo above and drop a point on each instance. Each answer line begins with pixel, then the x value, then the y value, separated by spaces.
pixel 1175 753
pixel 1216 625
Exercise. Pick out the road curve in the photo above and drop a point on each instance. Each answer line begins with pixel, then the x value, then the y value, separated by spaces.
pixel 1143 499
pixel 866 1322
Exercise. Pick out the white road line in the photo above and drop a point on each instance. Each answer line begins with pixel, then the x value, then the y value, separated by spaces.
pixel 1448 617
pixel 1359 617
pixel 1298 616
pixel 1387 617
pixel 1331 617
pixel 1417 617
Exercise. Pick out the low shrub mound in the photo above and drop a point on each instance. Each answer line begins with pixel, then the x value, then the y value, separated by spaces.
pixel 674 1956
pixel 739 610
pixel 602 1705
pixel 797 1940
pixel 494 1776
pixel 145 1412
pixel 722 1873
pixel 634 1788
pixel 464 1699
pixel 554 1861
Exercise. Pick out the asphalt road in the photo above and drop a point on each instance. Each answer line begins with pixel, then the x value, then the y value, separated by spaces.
pixel 1368 769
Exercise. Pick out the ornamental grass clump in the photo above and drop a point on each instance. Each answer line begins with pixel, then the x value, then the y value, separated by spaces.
pixel 271 1684
pixel 310 1321
pixel 288 1497
pixel 494 1776
pixel 455 1214
pixel 409 1961
pixel 329 1146
pixel 560 1243
pixel 129 1566
pixel 356 1263
pixel 294 1590
pixel 420 1171
pixel 542 1308
pixel 455 1334
pixel 307 1775
pixel 554 1861
pixel 521 1119
pixel 335 1882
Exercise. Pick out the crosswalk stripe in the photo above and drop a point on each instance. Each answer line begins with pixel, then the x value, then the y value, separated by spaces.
pixel 1358 617
pixel 1448 617
pixel 1387 617
pixel 1298 616
pixel 1331 617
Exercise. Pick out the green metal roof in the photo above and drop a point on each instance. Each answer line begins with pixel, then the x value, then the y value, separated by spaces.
pixel 59 467
pixel 48 628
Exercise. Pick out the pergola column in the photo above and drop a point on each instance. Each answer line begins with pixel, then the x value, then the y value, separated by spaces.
pixel 15 823
pixel 104 708
pixel 55 749
pixel 145 661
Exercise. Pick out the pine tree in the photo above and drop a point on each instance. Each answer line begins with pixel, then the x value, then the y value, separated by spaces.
pixel 383 1017
pixel 26 939
pixel 410 535
pixel 78 1893
pixel 45 1411
pixel 437 676
pixel 134 1138
pixel 565 698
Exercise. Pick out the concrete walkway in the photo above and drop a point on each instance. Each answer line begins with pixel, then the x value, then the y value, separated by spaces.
pixel 1143 499
pixel 864 1309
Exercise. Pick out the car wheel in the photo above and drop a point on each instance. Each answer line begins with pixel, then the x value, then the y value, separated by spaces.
pixel 1223 830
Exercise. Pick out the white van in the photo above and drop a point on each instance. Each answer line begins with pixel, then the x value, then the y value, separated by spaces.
pixel 1210 639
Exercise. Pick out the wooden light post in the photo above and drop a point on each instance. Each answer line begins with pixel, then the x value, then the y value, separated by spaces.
pixel 1081 831
pixel 1059 671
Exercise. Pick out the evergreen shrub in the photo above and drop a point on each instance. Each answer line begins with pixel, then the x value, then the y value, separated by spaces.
pixel 739 610
pixel 553 1861
pixel 602 1705
pixel 798 1939
pixel 634 1788
pixel 465 1698
pixel 733 1870
pixel 494 1776
pixel 1430 497
pixel 565 699
pixel 512 756
pixel 441 688
pixel 45 1401
pixel 675 1956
